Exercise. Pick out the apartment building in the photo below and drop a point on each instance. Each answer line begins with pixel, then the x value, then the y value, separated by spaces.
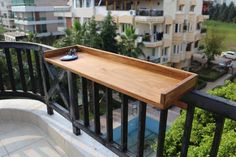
pixel 36 16
pixel 6 15
pixel 170 29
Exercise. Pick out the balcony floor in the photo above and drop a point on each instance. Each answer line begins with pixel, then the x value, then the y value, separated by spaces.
pixel 26 130
pixel 21 139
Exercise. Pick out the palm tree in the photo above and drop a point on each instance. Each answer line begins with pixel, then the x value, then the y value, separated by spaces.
pixel 32 37
pixel 128 44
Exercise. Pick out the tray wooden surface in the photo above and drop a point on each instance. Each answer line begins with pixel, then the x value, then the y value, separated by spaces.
pixel 154 84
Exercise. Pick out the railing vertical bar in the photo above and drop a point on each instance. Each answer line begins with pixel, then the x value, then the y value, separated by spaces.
pixel 10 69
pixel 31 70
pixel 1 80
pixel 73 101
pixel 46 84
pixel 37 61
pixel 97 128
pixel 21 69
pixel 84 83
pixel 109 119
pixel 187 130
pixel 162 132
pixel 124 123
pixel 141 129
pixel 217 137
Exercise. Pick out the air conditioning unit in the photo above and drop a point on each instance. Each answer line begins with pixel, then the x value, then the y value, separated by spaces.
pixel 132 12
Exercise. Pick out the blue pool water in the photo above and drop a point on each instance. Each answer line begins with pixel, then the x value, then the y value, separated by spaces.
pixel 151 132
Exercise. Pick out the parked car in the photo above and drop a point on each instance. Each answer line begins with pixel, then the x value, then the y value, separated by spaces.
pixel 200 57
pixel 229 54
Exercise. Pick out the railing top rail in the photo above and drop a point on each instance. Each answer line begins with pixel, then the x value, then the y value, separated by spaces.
pixel 28 45
pixel 224 107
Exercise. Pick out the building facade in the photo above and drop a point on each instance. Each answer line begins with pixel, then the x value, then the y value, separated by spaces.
pixel 170 29
pixel 6 15
pixel 37 16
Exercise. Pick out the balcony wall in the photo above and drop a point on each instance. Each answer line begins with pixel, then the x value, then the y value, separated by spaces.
pixel 181 2
pixel 126 19
pixel 153 44
pixel 84 12
pixel 175 58
pixel 189 54
pixel 189 36
pixel 149 19
pixel 178 38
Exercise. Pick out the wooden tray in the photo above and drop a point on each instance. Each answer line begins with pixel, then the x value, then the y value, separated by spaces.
pixel 154 84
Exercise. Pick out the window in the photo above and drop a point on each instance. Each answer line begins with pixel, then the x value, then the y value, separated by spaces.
pixel 44 28
pixel 165 51
pixel 181 8
pixel 167 29
pixel 78 3
pixel 189 47
pixel 192 8
pixel 196 44
pixel 174 49
pixel 88 3
pixel 199 25
pixel 60 18
pixel 176 28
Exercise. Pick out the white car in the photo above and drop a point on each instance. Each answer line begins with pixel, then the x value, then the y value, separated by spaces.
pixel 229 54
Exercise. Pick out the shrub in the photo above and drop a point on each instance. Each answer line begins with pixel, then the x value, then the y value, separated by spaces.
pixel 203 130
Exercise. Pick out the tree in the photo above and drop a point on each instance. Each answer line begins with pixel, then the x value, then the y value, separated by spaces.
pixel 64 41
pixel 78 32
pixel 92 37
pixel 231 12
pixel 223 12
pixel 108 34
pixel 128 45
pixel 213 45
pixel 2 31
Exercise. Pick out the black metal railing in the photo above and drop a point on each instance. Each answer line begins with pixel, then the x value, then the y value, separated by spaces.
pixel 24 73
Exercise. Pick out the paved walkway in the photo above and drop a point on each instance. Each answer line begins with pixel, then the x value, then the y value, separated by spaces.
pixel 20 139
pixel 220 81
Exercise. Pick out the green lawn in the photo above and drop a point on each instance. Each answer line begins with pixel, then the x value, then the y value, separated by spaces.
pixel 225 29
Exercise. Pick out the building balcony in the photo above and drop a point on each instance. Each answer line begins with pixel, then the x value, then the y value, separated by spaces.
pixel 57 122
pixel 193 2
pixel 32 22
pixel 179 17
pixel 178 38
pixel 153 41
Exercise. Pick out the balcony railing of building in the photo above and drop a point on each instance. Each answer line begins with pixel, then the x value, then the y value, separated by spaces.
pixel 149 12
pixel 24 73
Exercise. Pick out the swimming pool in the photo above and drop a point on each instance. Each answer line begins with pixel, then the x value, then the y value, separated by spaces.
pixel 151 132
